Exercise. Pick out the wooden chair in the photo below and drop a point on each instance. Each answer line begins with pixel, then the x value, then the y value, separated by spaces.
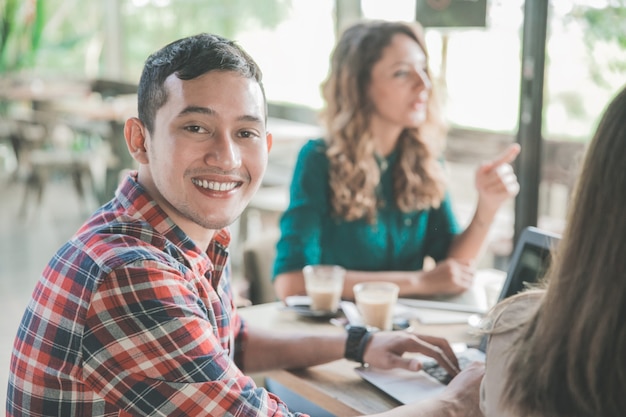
pixel 258 261
pixel 45 151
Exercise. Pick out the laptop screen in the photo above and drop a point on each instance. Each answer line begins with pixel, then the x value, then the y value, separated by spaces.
pixel 531 267
pixel 529 261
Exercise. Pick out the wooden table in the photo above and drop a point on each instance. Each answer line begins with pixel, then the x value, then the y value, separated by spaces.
pixel 334 387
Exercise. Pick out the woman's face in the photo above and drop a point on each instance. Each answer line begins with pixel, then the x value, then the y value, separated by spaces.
pixel 399 86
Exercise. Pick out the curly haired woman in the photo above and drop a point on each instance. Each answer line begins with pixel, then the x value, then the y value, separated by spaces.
pixel 371 195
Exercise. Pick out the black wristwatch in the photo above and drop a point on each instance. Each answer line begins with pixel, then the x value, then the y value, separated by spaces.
pixel 358 336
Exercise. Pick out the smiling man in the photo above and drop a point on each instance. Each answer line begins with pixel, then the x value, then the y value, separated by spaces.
pixel 205 156
pixel 134 315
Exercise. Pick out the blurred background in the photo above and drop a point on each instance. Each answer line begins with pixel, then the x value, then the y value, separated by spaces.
pixel 536 71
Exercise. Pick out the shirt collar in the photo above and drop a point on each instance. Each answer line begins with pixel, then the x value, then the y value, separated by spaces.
pixel 139 204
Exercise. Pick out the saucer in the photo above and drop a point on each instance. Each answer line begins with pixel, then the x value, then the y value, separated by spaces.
pixel 302 306
pixel 305 311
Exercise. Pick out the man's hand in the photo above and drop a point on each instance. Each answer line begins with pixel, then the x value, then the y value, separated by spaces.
pixel 386 349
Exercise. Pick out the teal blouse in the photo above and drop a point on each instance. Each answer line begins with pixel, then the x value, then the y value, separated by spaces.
pixel 396 242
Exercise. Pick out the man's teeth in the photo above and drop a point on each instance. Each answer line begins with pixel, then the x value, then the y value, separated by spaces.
pixel 214 185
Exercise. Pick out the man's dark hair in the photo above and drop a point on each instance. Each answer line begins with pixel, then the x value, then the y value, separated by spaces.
pixel 189 58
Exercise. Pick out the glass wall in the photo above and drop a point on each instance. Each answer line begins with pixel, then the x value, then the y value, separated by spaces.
pixel 294 55
pixel 477 69
pixel 292 39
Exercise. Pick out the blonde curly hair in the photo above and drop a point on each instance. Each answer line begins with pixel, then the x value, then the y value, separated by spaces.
pixel 419 181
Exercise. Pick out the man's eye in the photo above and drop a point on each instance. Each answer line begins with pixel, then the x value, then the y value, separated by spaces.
pixel 195 129
pixel 247 134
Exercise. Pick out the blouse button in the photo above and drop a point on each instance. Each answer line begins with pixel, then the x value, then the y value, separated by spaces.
pixel 408 222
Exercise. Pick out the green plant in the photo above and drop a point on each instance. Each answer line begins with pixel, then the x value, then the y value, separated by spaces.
pixel 605 39
pixel 21 28
pixel 149 24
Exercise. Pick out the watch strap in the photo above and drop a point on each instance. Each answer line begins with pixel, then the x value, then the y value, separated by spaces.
pixel 358 337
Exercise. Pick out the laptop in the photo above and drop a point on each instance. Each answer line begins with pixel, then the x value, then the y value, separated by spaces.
pixel 529 262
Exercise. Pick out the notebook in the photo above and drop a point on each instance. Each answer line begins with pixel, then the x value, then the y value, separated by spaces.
pixel 529 262
pixel 471 301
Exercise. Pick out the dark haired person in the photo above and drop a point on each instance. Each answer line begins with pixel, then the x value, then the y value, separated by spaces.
pixel 561 351
pixel 134 315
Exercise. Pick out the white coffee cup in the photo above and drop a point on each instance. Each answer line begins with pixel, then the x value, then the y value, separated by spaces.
pixel 376 302
pixel 324 285
pixel 492 292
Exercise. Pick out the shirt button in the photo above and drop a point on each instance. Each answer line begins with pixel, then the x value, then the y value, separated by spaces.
pixel 408 222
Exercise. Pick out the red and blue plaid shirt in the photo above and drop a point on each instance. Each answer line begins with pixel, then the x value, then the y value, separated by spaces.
pixel 130 317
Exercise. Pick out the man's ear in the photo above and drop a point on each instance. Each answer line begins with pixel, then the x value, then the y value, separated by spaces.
pixel 135 134
pixel 270 140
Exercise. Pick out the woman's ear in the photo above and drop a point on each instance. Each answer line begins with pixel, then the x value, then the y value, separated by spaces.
pixel 270 140
pixel 135 134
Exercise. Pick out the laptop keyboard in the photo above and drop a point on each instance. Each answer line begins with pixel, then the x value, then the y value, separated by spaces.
pixel 439 373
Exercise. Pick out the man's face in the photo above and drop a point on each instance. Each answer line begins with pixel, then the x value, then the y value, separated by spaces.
pixel 208 151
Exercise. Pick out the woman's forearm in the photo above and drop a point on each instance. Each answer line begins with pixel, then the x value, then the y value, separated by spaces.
pixel 410 282
pixel 470 243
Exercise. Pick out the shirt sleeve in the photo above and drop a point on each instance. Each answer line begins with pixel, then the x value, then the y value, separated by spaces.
pixel 300 224
pixel 153 347
pixel 506 329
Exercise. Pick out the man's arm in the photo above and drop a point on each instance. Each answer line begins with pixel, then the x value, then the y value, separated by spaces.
pixel 150 348
pixel 265 351
pixel 460 398
pixel 384 350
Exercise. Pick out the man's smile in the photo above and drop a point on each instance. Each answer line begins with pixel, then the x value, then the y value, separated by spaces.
pixel 216 185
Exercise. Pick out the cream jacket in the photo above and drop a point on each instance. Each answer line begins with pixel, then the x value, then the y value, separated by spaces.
pixel 505 332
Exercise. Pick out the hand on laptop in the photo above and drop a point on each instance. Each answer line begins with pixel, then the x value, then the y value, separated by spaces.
pixel 461 398
pixel 385 351
pixel 464 390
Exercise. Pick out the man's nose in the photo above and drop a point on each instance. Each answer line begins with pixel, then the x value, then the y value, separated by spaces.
pixel 223 152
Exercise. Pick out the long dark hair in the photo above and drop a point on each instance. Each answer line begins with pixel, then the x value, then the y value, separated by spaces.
pixel 571 359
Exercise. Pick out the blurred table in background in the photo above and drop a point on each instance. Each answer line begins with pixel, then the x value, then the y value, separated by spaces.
pixel 93 110
pixel 105 118
pixel 92 138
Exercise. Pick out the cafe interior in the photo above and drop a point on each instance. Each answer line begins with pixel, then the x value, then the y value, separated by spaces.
pixel 68 81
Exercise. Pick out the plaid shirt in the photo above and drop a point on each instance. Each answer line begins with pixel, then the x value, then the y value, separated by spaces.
pixel 130 317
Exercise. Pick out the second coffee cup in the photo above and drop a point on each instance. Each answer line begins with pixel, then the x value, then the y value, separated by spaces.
pixel 376 302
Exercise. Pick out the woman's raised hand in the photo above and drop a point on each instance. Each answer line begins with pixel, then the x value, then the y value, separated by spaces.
pixel 495 180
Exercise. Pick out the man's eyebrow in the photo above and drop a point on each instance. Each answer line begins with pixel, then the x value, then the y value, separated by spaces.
pixel 197 109
pixel 250 118
pixel 210 112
